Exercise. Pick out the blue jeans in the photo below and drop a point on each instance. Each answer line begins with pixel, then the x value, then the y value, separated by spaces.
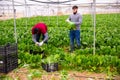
pixel 74 34
pixel 38 37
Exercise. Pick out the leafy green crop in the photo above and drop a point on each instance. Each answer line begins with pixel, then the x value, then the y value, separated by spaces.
pixel 107 56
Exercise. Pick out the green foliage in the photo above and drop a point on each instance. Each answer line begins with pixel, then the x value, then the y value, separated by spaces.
pixel 95 63
pixel 34 74
pixel 64 75
pixel 51 59
pixel 107 58
pixel 4 77
pixel 71 26
pixel 26 58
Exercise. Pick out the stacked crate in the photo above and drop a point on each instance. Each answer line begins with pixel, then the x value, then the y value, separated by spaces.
pixel 8 58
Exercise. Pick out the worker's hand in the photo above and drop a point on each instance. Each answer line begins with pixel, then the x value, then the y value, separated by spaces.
pixel 37 43
pixel 71 23
pixel 41 43
pixel 67 20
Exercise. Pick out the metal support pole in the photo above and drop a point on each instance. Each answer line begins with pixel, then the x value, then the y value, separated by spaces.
pixel 14 12
pixel 48 13
pixel 3 13
pixel 94 24
pixel 9 11
pixel 70 5
pixel 57 13
pixel 29 13
pixel 26 13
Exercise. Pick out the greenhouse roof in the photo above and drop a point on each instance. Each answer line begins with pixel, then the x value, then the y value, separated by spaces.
pixel 43 2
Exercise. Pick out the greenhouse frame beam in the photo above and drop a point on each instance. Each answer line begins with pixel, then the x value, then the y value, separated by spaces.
pixel 51 2
pixel 14 1
pixel 20 5
pixel 43 5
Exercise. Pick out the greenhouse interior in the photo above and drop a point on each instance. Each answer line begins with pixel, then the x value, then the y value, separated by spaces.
pixel 59 39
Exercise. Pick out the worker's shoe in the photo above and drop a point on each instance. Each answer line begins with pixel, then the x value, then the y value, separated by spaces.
pixel 71 48
pixel 78 47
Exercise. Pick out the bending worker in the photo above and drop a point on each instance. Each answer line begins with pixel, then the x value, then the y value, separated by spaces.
pixel 38 30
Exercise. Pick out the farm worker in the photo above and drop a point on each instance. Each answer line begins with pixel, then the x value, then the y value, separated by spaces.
pixel 38 30
pixel 74 22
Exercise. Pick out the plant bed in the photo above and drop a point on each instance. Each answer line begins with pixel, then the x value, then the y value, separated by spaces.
pixel 35 52
pixel 50 67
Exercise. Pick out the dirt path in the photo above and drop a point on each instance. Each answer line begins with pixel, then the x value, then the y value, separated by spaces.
pixel 24 74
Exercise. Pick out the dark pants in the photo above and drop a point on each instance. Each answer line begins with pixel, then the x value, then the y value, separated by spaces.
pixel 38 37
pixel 74 34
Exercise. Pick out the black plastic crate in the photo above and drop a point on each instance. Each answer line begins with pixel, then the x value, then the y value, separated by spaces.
pixel 50 67
pixel 8 58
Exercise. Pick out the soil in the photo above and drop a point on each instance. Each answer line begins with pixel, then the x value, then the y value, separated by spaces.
pixel 22 74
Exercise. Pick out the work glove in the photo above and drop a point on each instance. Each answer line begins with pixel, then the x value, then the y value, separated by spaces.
pixel 37 43
pixel 71 23
pixel 68 20
pixel 41 43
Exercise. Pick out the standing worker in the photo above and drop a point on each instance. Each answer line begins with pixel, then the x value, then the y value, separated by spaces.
pixel 38 30
pixel 75 20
